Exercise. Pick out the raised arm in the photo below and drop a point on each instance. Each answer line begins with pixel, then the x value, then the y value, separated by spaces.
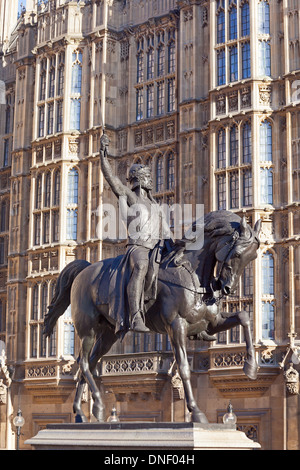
pixel 114 182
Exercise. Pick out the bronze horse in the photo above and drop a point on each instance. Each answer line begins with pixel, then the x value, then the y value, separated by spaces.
pixel 186 304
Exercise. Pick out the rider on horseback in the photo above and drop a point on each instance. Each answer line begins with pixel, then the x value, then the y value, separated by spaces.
pixel 145 229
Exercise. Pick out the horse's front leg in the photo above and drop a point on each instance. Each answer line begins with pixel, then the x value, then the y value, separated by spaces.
pixel 178 337
pixel 226 321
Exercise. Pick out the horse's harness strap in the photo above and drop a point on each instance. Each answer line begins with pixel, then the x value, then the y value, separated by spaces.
pixel 232 244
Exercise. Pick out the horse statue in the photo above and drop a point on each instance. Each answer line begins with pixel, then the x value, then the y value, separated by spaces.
pixel 190 284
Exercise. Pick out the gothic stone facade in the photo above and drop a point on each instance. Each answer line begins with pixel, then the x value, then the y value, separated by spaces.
pixel 206 93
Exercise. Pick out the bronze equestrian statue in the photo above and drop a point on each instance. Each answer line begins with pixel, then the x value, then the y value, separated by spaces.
pixel 185 305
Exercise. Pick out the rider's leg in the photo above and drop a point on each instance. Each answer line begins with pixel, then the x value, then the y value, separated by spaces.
pixel 140 264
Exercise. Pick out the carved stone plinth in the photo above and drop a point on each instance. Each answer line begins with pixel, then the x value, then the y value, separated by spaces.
pixel 141 436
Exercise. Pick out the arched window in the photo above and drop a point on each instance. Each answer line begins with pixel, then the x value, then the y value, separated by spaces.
pixel 150 63
pixel 61 76
pixel 73 186
pixel 140 67
pixel 72 217
pixel 233 62
pixel 38 192
pixel 221 67
pixel 2 322
pixel 264 57
pixel 35 302
pixel 171 57
pixel 221 149
pixel 3 221
pixel 246 60
pixel 2 251
pixel 43 86
pixel 233 23
pixel 268 320
pixel 159 175
pixel 234 146
pixel 75 114
pixel 234 190
pixel 160 61
pixel 51 91
pixel 8 114
pixel 245 19
pixel 221 27
pixel 47 189
pixel 247 143
pixel 265 142
pixel 267 272
pixel 44 300
pixel 69 333
pixel 56 198
pixel 266 186
pixel 170 171
pixel 76 72
pixel 263 17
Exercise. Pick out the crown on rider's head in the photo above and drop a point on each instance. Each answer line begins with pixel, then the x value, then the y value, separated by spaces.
pixel 138 171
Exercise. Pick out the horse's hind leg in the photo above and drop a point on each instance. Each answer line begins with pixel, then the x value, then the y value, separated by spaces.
pixel 103 344
pixel 178 337
pixel 77 410
pixel 87 344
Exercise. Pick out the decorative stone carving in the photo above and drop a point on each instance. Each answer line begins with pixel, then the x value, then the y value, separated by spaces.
pixel 124 366
pixel 233 101
pixel 3 393
pixel 170 129
pixel 265 92
pixel 159 133
pixel 149 135
pixel 221 104
pixel 267 357
pixel 251 431
pixel 49 151
pixel 246 97
pixel 292 380
pixel 177 386
pixel 188 14
pixel 229 359
pixel 74 146
pixel 5 378
pixel 41 371
pixel 57 148
pixel 138 138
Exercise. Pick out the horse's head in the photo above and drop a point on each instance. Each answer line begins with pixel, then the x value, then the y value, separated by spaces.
pixel 235 254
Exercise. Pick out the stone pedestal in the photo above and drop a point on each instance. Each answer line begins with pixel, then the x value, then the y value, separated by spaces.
pixel 141 436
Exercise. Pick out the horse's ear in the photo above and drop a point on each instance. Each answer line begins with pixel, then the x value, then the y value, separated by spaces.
pixel 257 227
pixel 243 226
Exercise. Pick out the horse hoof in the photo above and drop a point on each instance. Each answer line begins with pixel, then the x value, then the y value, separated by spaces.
pixel 80 418
pixel 98 413
pixel 199 417
pixel 250 370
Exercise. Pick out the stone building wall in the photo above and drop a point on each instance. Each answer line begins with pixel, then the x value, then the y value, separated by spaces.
pixel 207 94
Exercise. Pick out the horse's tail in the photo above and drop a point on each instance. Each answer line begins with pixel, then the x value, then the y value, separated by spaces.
pixel 61 299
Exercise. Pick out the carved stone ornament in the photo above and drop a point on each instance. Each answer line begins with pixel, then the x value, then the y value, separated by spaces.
pixel 178 385
pixel 5 379
pixel 292 380
pixel 3 393
pixel 265 92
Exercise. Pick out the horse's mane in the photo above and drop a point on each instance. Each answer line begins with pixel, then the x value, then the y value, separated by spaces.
pixel 225 230
pixel 226 225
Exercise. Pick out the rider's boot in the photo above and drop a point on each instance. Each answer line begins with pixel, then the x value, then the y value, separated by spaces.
pixel 138 324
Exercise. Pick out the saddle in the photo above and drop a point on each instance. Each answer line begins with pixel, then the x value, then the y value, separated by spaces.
pixel 113 278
